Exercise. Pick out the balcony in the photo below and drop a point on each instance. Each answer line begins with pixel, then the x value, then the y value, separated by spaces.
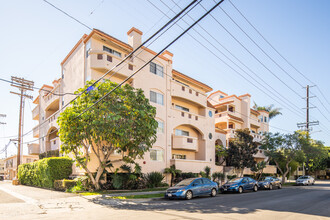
pixel 52 120
pixel 183 117
pixel 194 166
pixel 33 149
pixel 257 137
pixel 185 143
pixel 103 61
pixel 36 131
pixel 52 101
pixel 55 143
pixel 35 113
pixel 182 91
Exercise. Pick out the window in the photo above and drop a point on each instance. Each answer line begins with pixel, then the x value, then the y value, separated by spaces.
pixel 156 155
pixel 130 66
pixel 54 141
pixel 88 48
pixel 266 119
pixel 160 128
pixel 182 108
pixel 190 140
pixel 178 156
pixel 156 98
pixel 109 58
pixel 99 56
pixel 261 119
pixel 231 109
pixel 231 126
pixel 156 69
pixel 109 50
pixel 221 96
pixel 179 132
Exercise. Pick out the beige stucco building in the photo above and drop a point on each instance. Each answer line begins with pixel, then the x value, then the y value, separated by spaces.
pixel 10 164
pixel 186 134
pixel 234 112
pixel 190 122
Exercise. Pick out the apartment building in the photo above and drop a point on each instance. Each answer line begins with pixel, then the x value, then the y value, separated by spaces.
pixel 234 112
pixel 10 164
pixel 186 135
pixel 2 169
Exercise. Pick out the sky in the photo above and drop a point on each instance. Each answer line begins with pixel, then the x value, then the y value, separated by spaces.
pixel 36 37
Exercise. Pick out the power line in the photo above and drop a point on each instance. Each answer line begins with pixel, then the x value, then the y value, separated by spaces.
pixel 168 45
pixel 67 14
pixel 57 94
pixel 224 55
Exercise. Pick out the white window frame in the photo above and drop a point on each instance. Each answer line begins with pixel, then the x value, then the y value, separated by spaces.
pixel 159 98
pixel 160 128
pixel 179 132
pixel 158 153
pixel 156 69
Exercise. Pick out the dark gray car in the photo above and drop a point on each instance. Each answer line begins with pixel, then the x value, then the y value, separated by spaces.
pixel 270 182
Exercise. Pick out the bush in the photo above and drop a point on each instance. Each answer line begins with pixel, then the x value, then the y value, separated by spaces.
pixel 44 172
pixel 63 185
pixel 154 179
pixel 51 153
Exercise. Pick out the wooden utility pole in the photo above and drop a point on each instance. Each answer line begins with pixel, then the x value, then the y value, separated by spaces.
pixel 23 85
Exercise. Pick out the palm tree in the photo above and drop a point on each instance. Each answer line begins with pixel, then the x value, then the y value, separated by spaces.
pixel 173 171
pixel 273 112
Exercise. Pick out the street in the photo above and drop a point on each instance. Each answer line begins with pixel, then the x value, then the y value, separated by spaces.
pixel 306 202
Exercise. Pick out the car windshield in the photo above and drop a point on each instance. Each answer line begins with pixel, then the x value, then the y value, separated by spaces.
pixel 235 180
pixel 303 177
pixel 266 178
pixel 185 182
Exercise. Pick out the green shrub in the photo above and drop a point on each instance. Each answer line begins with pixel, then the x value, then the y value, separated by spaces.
pixel 153 179
pixel 63 185
pixel 44 172
pixel 51 153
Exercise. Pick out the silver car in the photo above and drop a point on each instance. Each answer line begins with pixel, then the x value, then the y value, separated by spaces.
pixel 305 180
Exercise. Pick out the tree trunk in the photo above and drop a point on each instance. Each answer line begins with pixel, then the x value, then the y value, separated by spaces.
pixel 100 170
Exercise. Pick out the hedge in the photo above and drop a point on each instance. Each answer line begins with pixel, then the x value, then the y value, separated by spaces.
pixel 44 172
pixel 63 185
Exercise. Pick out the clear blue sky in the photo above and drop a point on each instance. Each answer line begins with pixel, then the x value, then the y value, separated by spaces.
pixel 36 37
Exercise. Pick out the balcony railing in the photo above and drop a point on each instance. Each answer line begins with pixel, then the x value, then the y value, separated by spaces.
pixel 35 113
pixel 194 166
pixel 185 143
pixel 36 131
pixel 182 91
pixel 51 97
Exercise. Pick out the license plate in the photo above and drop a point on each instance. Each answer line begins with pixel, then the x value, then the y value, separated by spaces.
pixel 169 195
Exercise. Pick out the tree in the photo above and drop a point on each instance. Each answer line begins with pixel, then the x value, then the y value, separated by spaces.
pixel 241 151
pixel 273 112
pixel 283 149
pixel 258 169
pixel 220 154
pixel 122 122
pixel 206 173
pixel 218 177
pixel 173 171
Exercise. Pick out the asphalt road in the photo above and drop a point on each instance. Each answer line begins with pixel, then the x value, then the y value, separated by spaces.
pixel 290 203
pixel 310 200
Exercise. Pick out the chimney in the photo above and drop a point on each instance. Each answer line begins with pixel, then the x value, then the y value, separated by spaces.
pixel 134 37
pixel 168 55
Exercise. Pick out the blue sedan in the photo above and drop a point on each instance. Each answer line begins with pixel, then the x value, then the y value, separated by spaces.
pixel 240 185
pixel 192 187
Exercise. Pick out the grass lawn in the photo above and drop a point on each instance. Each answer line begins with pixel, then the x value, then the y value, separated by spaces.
pixel 102 192
pixel 145 196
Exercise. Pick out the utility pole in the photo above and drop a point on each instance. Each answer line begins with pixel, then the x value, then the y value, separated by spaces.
pixel 307 125
pixel 23 85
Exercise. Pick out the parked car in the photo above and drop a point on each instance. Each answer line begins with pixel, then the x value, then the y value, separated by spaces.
pixel 305 180
pixel 240 185
pixel 192 187
pixel 270 182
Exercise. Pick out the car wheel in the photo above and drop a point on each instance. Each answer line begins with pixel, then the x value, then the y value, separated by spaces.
pixel 270 186
pixel 255 188
pixel 189 195
pixel 280 186
pixel 213 192
pixel 313 183
pixel 240 189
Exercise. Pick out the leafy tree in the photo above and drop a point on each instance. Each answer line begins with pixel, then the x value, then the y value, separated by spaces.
pixel 206 173
pixel 273 112
pixel 258 169
pixel 122 122
pixel 218 177
pixel 220 153
pixel 241 150
pixel 173 171
pixel 283 149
